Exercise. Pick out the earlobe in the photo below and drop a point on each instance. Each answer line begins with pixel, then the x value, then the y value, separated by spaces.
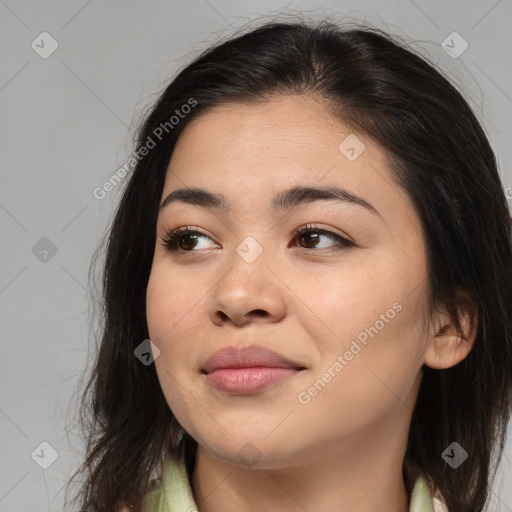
pixel 449 343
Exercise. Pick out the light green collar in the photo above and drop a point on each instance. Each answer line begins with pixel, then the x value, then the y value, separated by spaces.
pixel 173 493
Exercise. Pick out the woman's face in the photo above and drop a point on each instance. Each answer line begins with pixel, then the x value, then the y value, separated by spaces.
pixel 343 304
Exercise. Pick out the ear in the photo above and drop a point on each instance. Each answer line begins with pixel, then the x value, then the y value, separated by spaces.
pixel 454 329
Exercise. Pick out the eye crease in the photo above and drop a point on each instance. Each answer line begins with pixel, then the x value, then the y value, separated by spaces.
pixel 172 239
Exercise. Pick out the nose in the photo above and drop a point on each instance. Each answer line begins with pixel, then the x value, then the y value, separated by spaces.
pixel 248 292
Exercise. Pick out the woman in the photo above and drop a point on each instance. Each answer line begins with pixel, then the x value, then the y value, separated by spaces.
pixel 307 289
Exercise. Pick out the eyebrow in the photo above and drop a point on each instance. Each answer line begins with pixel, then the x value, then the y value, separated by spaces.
pixel 295 196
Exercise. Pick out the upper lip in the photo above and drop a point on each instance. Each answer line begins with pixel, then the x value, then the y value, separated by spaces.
pixel 247 357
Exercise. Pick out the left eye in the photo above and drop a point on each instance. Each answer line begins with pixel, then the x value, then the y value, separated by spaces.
pixel 310 234
pixel 173 241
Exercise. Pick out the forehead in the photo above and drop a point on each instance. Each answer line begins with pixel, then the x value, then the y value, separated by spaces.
pixel 283 128
pixel 248 152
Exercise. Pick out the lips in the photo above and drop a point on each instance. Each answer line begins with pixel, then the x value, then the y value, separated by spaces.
pixel 248 370
pixel 247 357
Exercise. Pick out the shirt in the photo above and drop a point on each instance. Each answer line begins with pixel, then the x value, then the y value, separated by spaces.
pixel 174 494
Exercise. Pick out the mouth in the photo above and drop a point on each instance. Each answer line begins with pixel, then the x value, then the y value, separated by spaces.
pixel 243 381
pixel 248 370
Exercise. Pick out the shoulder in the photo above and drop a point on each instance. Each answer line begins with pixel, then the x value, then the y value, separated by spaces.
pixel 426 497
pixel 439 504
pixel 123 507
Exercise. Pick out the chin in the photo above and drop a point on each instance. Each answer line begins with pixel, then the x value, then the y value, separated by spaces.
pixel 246 451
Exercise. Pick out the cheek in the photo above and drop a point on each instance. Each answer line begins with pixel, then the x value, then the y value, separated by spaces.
pixel 338 303
pixel 159 295
pixel 176 311
pixel 361 383
pixel 171 305
pixel 172 309
pixel 371 316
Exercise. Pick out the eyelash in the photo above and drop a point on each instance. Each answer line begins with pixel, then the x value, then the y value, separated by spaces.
pixel 170 240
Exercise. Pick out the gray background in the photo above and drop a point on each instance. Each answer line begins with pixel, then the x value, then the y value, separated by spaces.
pixel 66 126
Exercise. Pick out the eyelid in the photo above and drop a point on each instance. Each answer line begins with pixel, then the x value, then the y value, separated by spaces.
pixel 328 231
pixel 186 230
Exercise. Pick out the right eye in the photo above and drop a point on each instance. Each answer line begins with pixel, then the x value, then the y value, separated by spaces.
pixel 173 240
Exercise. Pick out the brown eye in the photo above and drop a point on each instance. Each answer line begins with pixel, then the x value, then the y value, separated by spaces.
pixel 183 239
pixel 187 241
pixel 312 236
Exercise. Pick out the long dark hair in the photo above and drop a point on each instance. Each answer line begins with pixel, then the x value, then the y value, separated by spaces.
pixel 440 155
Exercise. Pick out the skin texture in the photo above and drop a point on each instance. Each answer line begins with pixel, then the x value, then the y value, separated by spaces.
pixel 343 450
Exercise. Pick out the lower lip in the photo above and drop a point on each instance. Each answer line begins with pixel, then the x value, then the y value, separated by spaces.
pixel 248 380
